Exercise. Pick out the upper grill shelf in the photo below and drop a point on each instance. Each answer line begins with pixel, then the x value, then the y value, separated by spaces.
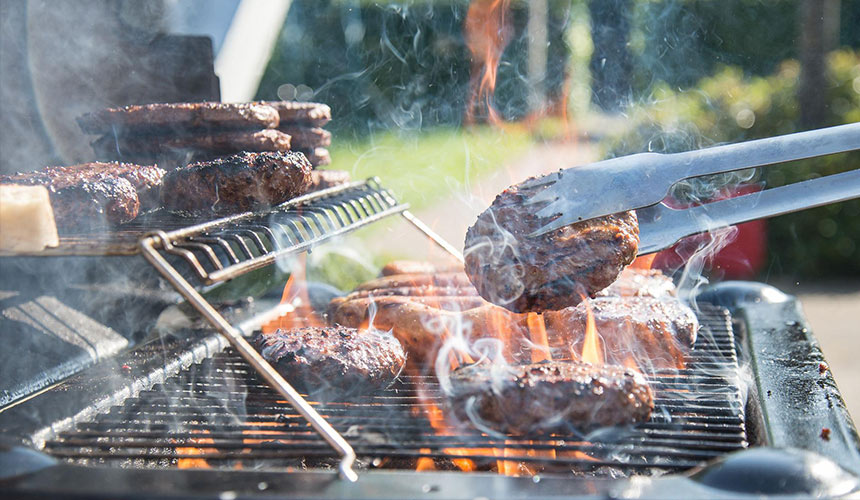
pixel 220 250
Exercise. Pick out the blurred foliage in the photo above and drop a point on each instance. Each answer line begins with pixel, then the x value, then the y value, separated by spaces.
pixel 679 42
pixel 730 107
pixel 404 65
pixel 425 168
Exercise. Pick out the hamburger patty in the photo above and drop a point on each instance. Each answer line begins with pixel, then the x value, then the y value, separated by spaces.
pixel 313 114
pixel 640 283
pixel 539 397
pixel 174 117
pixel 94 194
pixel 323 179
pixel 551 271
pixel 307 138
pixel 654 332
pixel 336 360
pixel 319 157
pixel 200 143
pixel 236 183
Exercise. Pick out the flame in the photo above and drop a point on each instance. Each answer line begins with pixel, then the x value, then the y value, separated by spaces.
pixel 591 351
pixel 295 294
pixel 487 33
pixel 195 463
pixel 537 331
pixel 644 262
pixel 437 421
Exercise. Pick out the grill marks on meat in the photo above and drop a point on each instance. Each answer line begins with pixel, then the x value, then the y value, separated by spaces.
pixel 334 361
pixel 176 117
pixel 540 397
pixel 95 194
pixel 236 183
pixel 547 272
pixel 657 333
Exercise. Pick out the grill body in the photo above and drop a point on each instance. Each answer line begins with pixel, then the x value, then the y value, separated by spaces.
pixel 128 423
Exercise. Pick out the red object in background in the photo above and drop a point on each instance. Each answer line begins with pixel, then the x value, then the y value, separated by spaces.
pixel 742 258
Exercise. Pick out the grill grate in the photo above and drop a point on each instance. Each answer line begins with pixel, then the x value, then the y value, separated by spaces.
pixel 220 414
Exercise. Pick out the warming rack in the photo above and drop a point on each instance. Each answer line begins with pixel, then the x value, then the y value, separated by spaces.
pixel 217 251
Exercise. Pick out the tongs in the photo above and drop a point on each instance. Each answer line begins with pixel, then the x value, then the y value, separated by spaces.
pixel 642 182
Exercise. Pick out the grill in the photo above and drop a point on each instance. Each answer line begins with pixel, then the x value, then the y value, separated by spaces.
pixel 219 413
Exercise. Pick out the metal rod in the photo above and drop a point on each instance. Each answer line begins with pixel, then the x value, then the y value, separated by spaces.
pixel 250 354
pixel 424 228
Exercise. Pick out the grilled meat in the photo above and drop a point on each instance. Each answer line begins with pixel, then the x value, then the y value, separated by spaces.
pixel 334 361
pixel 655 332
pixel 444 279
pixel 540 397
pixel 322 179
pixel 94 194
pixel 640 283
pixel 418 267
pixel 313 114
pixel 547 272
pixel 236 183
pixel 319 157
pixel 376 309
pixel 178 117
pixel 203 144
pixel 307 138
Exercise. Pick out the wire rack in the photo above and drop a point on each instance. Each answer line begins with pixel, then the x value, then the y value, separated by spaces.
pixel 223 249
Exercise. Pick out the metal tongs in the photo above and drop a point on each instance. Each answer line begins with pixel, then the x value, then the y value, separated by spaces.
pixel 642 181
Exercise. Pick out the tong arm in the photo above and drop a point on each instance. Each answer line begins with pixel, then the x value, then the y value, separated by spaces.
pixel 644 179
pixel 661 227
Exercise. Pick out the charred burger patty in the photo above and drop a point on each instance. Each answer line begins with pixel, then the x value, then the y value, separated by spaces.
pixel 236 183
pixel 539 397
pixel 338 360
pixel 551 271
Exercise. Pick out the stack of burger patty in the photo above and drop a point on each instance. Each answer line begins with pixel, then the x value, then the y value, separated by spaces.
pixel 180 134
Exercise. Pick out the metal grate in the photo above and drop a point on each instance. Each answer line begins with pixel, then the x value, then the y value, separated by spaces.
pixel 226 248
pixel 221 414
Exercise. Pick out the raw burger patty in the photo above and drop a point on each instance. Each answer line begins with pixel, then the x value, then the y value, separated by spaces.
pixel 337 360
pixel 236 183
pixel 538 397
pixel 547 272
pixel 172 117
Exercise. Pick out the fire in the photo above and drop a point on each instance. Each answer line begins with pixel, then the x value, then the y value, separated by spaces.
pixel 591 351
pixel 644 262
pixel 195 463
pixel 540 341
pixel 295 294
pixel 487 33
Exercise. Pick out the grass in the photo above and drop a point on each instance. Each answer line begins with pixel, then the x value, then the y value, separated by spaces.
pixel 421 168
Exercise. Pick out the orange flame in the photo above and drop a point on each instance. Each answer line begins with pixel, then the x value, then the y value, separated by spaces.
pixel 487 33
pixel 195 463
pixel 591 351
pixel 537 330
pixel 644 262
pixel 295 294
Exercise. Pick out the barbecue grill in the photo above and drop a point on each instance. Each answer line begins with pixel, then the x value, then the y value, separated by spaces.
pixel 189 414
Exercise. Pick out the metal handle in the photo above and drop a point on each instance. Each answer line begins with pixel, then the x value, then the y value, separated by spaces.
pixel 250 354
pixel 769 151
pixel 661 227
